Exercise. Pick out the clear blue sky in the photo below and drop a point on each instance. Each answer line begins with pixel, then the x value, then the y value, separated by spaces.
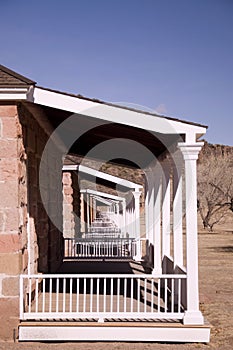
pixel 172 56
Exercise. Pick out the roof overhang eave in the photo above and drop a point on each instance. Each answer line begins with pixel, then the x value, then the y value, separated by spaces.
pixel 104 176
pixel 115 114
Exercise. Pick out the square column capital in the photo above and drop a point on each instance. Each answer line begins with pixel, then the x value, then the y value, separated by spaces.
pixel 190 151
pixel 137 194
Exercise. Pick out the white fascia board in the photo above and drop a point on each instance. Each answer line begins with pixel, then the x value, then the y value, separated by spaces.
pixel 115 114
pixel 103 200
pixel 13 93
pixel 107 177
pixel 71 167
pixel 103 194
pixel 101 175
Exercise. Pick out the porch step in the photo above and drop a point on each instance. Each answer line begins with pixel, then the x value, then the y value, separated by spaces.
pixel 143 331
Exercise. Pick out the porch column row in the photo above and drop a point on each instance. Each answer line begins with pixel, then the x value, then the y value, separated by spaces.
pixel 153 214
pixel 159 212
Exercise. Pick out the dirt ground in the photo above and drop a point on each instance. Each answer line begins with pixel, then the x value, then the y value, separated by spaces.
pixel 216 300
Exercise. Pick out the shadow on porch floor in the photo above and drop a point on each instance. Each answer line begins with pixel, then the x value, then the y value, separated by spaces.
pixel 104 267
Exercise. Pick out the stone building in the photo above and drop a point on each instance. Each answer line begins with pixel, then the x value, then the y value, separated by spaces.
pixel 43 199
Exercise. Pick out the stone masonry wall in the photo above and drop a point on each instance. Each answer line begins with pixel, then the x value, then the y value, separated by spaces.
pixel 45 238
pixel 71 205
pixel 22 141
pixel 13 238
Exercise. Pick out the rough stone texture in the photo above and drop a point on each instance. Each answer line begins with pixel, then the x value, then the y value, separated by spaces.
pixel 10 243
pixel 71 205
pixel 11 263
pixel 22 141
pixel 46 243
pixel 9 318
pixel 10 286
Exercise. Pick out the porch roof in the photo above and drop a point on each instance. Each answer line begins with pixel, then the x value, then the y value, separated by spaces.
pixel 115 113
pixel 95 108
pixel 99 174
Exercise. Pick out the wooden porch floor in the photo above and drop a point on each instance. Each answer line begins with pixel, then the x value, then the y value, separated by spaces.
pixel 87 299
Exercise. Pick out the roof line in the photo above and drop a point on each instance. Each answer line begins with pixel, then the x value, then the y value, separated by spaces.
pixel 17 75
pixel 122 107
pixel 102 175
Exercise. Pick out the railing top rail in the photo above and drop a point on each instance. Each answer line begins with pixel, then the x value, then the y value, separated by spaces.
pixel 91 239
pixel 141 276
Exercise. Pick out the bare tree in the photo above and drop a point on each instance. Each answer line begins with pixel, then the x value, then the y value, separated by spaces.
pixel 215 189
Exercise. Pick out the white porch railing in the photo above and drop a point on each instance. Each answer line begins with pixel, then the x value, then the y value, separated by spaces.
pixel 105 296
pixel 100 248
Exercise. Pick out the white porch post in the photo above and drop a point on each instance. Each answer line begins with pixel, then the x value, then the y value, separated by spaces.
pixel 117 215
pixel 136 195
pixel 177 210
pixel 151 199
pixel 166 209
pixel 153 215
pixel 190 154
pixel 94 208
pixel 123 227
pixel 149 215
pixel 157 220
pixel 88 211
pixel 147 194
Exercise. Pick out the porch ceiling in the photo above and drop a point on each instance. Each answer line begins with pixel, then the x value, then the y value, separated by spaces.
pixel 100 131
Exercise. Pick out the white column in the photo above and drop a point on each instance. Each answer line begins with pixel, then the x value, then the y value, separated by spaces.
pixel 117 215
pixel 149 211
pixel 190 154
pixel 94 208
pixel 177 210
pixel 128 222
pixel 136 195
pixel 157 220
pixel 147 195
pixel 88 211
pixel 123 227
pixel 166 209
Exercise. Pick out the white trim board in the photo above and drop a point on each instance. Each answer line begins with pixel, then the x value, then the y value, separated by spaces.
pixel 115 114
pixel 102 175
pixel 123 333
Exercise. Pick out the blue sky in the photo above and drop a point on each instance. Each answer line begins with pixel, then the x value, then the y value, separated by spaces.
pixel 171 56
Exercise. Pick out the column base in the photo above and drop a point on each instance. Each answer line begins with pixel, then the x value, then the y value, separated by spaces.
pixel 193 317
pixel 137 258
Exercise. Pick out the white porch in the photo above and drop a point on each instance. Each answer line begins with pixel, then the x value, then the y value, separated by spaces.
pixel 161 304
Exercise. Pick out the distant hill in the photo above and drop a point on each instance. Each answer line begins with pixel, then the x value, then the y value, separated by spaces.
pixel 217 150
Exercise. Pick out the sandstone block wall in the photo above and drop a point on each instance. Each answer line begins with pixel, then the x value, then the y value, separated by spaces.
pixel 71 205
pixel 12 219
pixel 22 140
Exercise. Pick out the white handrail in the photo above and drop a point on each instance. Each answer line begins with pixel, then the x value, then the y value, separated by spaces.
pixel 95 247
pixel 101 296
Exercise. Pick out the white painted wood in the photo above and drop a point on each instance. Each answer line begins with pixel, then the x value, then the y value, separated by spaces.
pixel 178 210
pixel 166 209
pixel 151 212
pixel 88 210
pixel 93 247
pixel 96 173
pixel 103 194
pixel 103 333
pixel 113 113
pixel 130 307
pixel 136 218
pixel 157 220
pixel 13 93
pixel 190 154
